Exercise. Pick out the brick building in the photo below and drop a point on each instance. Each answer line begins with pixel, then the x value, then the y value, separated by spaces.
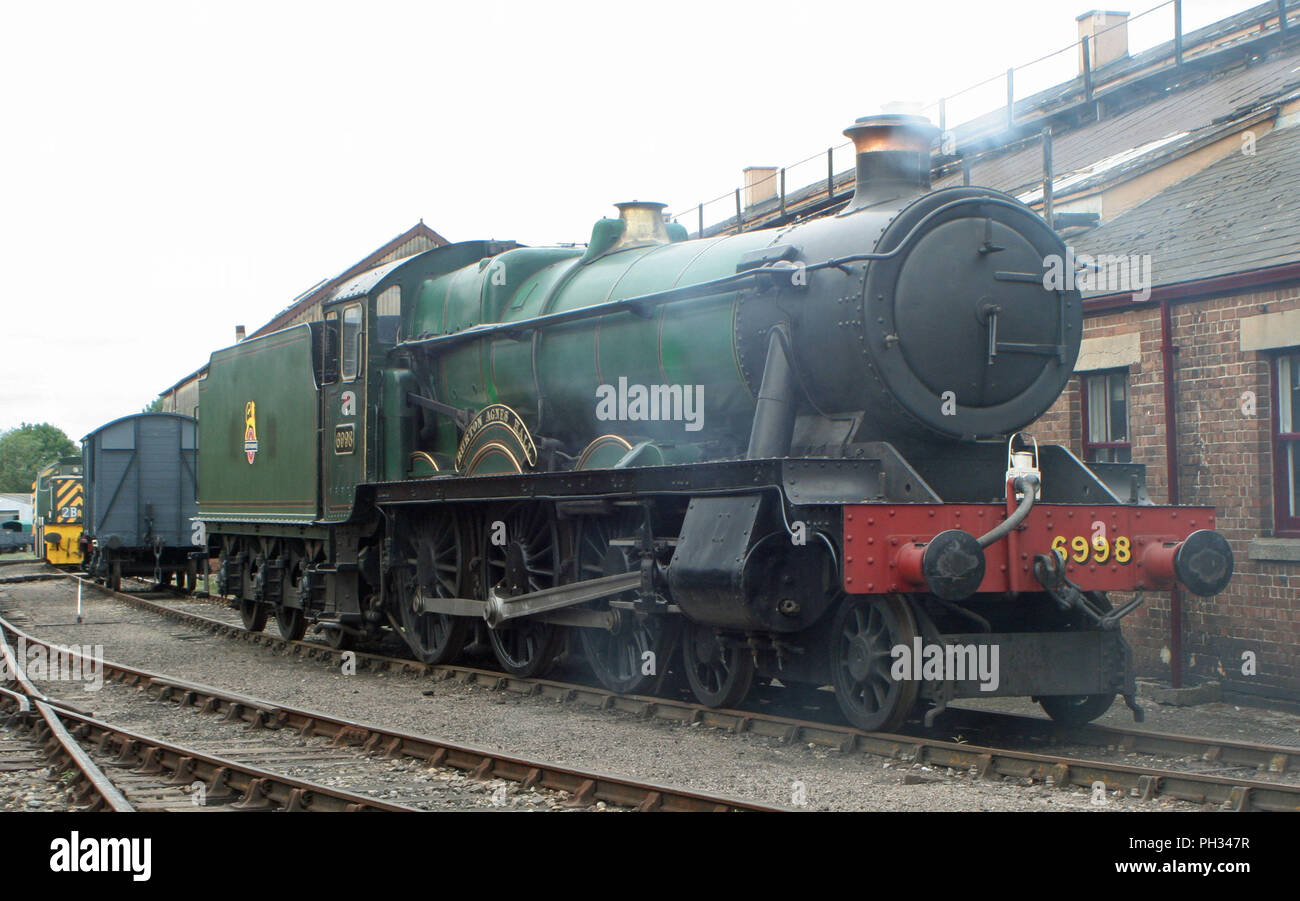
pixel 1220 336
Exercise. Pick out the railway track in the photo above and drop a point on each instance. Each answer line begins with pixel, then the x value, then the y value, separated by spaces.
pixel 1273 760
pixel 159 771
pixel 1261 757
pixel 1232 792
pixel 91 789
pixel 48 745
pixel 182 766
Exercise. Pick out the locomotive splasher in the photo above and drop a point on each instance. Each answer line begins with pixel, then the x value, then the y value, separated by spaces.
pixel 849 480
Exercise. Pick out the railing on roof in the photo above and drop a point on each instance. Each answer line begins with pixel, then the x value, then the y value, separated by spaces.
pixel 990 107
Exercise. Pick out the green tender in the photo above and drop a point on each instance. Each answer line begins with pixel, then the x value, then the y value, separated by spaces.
pixel 281 483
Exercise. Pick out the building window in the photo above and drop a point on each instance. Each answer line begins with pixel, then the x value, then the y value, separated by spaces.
pixel 1105 417
pixel 1286 445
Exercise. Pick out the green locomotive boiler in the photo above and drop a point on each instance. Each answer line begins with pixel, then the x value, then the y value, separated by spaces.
pixel 781 454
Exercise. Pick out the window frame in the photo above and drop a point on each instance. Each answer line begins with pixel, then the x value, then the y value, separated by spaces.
pixel 332 322
pixel 1284 524
pixel 1090 447
pixel 359 362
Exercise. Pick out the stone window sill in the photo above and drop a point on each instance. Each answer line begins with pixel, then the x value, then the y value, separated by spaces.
pixel 1275 550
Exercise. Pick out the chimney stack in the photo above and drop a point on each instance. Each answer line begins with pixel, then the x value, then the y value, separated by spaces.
pixel 760 184
pixel 643 223
pixel 1107 35
pixel 893 158
pixel 239 333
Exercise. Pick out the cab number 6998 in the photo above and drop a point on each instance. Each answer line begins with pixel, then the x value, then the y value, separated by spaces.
pixel 345 441
pixel 1080 548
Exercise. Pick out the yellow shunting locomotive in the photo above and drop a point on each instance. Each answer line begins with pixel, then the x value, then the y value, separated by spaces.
pixel 57 503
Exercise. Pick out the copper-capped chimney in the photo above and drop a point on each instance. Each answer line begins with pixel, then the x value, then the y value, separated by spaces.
pixel 643 224
pixel 893 157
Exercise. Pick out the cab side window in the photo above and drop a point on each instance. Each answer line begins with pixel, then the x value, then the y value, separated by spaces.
pixel 329 373
pixel 352 342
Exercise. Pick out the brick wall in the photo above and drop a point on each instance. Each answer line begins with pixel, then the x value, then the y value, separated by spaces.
pixel 1225 461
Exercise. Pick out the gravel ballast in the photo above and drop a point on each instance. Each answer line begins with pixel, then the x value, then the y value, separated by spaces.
pixel 690 756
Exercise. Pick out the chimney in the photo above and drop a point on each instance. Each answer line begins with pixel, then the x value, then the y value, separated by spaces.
pixel 643 223
pixel 760 184
pixel 1107 35
pixel 239 333
pixel 893 158
pixel 639 224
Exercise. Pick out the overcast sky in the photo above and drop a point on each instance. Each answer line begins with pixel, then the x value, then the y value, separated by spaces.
pixel 169 170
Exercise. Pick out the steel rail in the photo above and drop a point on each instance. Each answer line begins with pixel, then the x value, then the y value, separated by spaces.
pixel 262 788
pixel 256 788
pixel 585 787
pixel 1262 757
pixel 95 790
pixel 18 699
pixel 1145 782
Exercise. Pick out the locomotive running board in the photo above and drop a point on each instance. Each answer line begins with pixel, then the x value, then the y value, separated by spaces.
pixel 498 609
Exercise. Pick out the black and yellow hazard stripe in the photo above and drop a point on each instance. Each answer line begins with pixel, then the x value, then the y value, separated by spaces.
pixel 68 501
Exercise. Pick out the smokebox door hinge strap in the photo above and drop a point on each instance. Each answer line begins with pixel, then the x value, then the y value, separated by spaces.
pixel 988 246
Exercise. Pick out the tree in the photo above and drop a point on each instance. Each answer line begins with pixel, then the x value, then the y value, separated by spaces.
pixel 24 451
pixel 155 406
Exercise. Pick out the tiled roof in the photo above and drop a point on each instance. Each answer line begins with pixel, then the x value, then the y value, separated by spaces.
pixel 1235 70
pixel 1208 49
pixel 1193 109
pixel 1239 214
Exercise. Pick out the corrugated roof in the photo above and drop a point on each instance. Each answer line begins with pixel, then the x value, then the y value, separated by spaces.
pixel 1239 214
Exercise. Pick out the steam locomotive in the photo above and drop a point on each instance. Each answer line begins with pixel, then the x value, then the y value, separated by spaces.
pixel 790 454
